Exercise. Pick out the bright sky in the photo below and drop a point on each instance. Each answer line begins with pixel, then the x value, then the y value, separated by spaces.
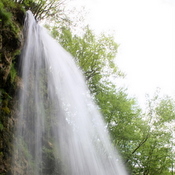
pixel 145 30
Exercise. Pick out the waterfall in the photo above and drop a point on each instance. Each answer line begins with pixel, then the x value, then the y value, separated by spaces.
pixel 59 130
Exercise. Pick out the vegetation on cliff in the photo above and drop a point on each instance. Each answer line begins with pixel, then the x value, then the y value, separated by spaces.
pixel 11 21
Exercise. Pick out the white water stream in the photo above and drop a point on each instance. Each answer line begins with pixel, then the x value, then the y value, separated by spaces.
pixel 60 130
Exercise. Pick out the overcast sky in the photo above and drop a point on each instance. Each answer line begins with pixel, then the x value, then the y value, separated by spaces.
pixel 145 30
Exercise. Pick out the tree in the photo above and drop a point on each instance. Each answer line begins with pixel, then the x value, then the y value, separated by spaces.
pixel 155 156
pixel 94 54
pixel 43 9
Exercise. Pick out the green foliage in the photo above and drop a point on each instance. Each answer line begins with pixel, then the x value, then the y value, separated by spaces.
pixel 94 54
pixel 156 154
pixel 166 110
pixel 5 16
pixel 10 30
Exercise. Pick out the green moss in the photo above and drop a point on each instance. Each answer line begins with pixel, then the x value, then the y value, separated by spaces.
pixel 6 110
pixel 11 23
pixel 5 16
pixel 13 73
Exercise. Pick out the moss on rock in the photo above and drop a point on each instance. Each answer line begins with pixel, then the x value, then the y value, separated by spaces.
pixel 11 22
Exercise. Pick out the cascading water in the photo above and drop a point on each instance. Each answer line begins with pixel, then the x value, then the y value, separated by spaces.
pixel 60 130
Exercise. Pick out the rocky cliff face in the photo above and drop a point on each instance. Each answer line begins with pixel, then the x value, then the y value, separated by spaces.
pixel 11 22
